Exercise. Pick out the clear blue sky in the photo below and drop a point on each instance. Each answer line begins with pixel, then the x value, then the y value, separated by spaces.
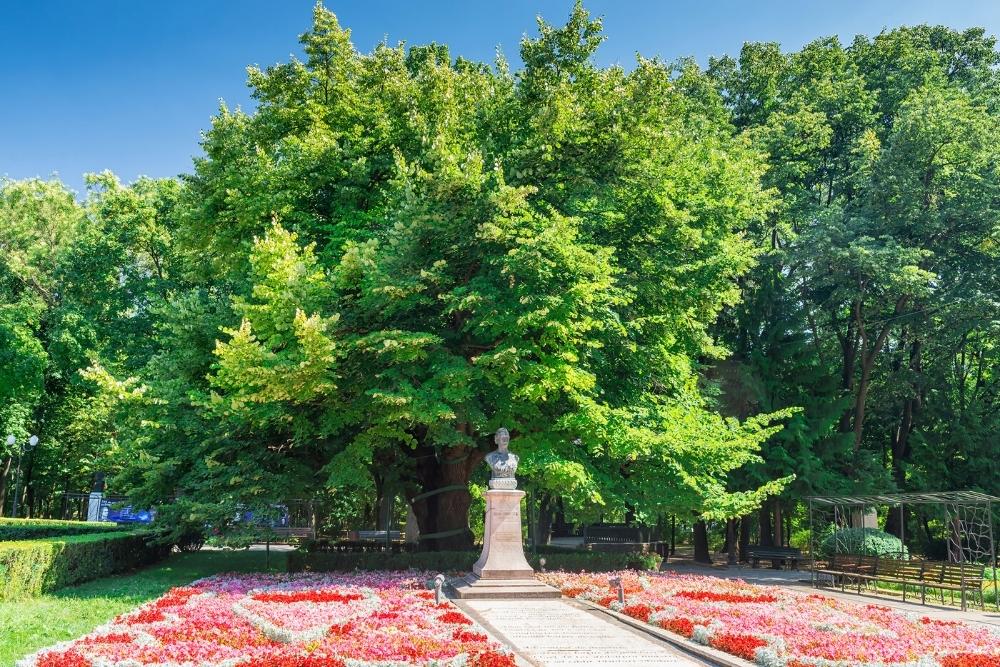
pixel 128 85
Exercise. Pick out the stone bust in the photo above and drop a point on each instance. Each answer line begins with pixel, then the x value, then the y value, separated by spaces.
pixel 502 462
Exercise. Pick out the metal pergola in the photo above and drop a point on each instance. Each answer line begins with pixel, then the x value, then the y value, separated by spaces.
pixel 968 517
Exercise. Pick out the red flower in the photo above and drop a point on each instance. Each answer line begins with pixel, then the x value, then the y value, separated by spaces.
pixel 469 636
pixel 113 638
pixel 294 661
pixel 744 646
pixel 639 611
pixel 64 659
pixel 307 596
pixel 342 629
pixel 933 621
pixel 492 659
pixel 454 617
pixel 710 596
pixel 146 616
pixel 970 660
pixel 607 600
pixel 682 626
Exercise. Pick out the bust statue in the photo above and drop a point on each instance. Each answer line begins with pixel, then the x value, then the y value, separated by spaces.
pixel 502 462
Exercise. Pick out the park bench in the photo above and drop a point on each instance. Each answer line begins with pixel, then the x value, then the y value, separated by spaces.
pixel 966 579
pixel 287 534
pixel 778 556
pixel 616 538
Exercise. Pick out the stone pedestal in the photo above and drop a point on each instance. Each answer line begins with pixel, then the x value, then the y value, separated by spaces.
pixel 94 506
pixel 502 570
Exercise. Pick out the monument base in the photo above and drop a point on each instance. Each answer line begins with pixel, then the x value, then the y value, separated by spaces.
pixel 502 572
pixel 477 588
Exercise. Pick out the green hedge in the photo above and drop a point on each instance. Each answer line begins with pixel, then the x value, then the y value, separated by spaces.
pixel 31 529
pixel 32 567
pixel 462 561
pixel 867 541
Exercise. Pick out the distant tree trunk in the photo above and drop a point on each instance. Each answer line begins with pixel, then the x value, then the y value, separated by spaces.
pixel 731 539
pixel 546 514
pixel 701 553
pixel 744 539
pixel 766 535
pixel 441 498
pixel 3 483
pixel 900 447
pixel 673 534
pixel 779 536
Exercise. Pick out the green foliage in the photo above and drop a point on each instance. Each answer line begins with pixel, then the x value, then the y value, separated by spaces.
pixel 396 253
pixel 33 567
pixel 30 529
pixel 462 561
pixel 865 541
pixel 684 291
pixel 30 624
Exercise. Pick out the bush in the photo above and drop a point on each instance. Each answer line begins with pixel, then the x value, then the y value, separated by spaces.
pixel 866 541
pixel 462 561
pixel 32 529
pixel 32 567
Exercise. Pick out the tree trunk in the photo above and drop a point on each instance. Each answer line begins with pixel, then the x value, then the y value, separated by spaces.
pixel 900 448
pixel 3 483
pixel 546 514
pixel 731 538
pixel 744 539
pixel 779 536
pixel 766 535
pixel 701 553
pixel 441 500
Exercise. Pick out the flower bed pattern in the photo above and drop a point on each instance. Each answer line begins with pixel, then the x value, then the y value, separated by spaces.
pixel 779 628
pixel 306 620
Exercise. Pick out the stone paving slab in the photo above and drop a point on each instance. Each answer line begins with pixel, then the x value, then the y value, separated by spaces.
pixel 562 633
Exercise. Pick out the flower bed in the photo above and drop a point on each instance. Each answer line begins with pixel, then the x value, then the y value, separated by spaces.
pixel 305 620
pixel 780 628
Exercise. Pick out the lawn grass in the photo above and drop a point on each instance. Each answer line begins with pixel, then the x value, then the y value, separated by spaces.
pixel 27 625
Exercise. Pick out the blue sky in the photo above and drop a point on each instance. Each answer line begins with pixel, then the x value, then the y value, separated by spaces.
pixel 127 85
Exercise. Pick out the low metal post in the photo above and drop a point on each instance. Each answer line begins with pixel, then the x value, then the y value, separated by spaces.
pixel 616 582
pixel 438 583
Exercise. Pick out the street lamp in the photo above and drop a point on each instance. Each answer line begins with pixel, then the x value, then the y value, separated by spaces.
pixel 22 450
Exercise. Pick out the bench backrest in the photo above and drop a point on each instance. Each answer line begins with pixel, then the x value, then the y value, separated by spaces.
pixel 911 570
pixel 613 534
pixel 788 552
pixel 961 573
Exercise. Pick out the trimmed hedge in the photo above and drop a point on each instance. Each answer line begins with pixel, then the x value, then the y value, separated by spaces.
pixel 866 541
pixel 31 529
pixel 462 561
pixel 32 567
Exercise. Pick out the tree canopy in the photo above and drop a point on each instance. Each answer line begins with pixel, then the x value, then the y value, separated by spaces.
pixel 685 291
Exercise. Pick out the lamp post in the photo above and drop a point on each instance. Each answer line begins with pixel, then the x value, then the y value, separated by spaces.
pixel 21 451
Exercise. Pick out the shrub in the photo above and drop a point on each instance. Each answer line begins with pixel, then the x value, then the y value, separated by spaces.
pixel 462 561
pixel 32 567
pixel 31 529
pixel 866 541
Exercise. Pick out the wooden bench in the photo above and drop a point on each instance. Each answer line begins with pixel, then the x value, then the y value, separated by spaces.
pixel 616 538
pixel 778 556
pixel 284 534
pixel 860 570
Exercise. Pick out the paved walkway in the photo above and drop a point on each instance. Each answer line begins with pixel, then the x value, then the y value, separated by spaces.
pixel 563 633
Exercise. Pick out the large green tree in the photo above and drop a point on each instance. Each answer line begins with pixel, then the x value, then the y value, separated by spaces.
pixel 409 251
